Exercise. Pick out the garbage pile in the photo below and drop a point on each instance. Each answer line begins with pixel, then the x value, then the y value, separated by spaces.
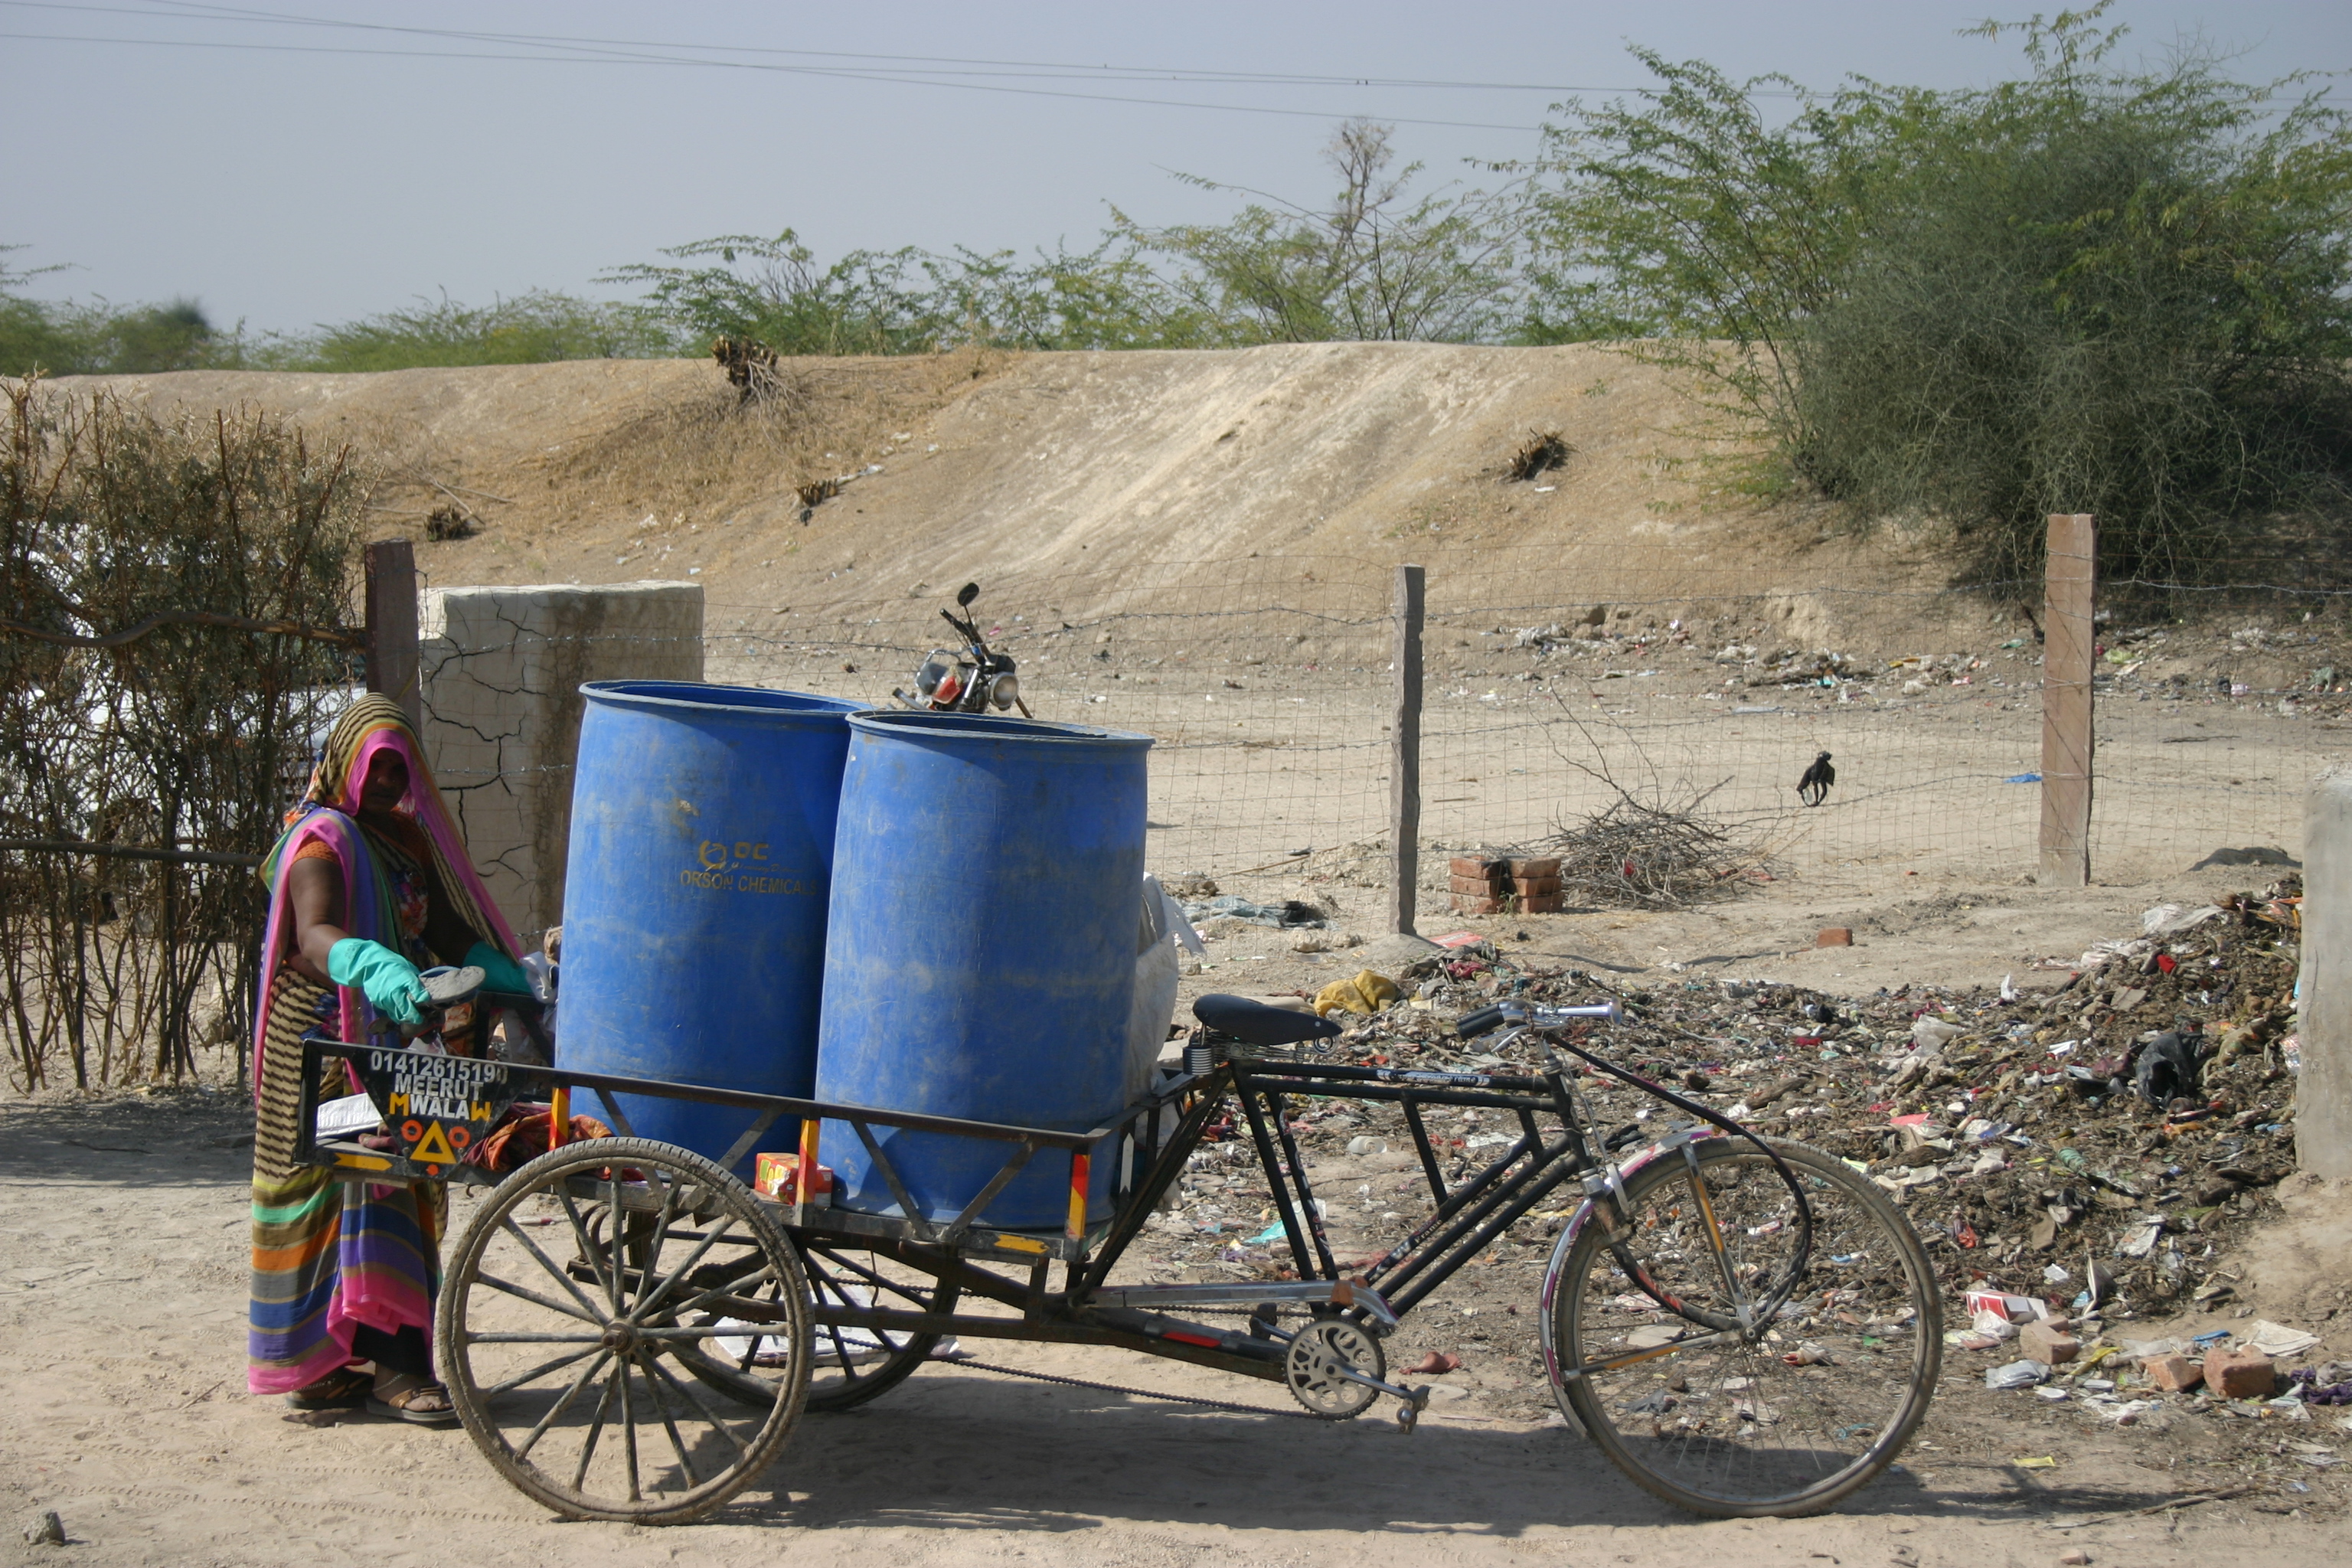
pixel 2085 1149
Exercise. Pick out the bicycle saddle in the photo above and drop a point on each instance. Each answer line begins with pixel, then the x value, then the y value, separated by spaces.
pixel 1257 1023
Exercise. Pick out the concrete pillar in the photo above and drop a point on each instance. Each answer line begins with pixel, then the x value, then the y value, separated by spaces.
pixel 503 671
pixel 2323 1095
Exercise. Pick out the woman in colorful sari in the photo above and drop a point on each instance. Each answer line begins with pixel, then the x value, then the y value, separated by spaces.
pixel 369 883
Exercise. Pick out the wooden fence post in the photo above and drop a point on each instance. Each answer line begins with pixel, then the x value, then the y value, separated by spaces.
pixel 392 626
pixel 2069 580
pixel 1404 750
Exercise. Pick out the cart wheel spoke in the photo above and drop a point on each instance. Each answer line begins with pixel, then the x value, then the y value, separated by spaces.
pixel 629 1430
pixel 587 1245
pixel 664 1231
pixel 591 1315
pixel 533 1373
pixel 579 1384
pixel 670 1425
pixel 702 1409
pixel 501 1338
pixel 587 1307
pixel 1790 1413
pixel 597 1424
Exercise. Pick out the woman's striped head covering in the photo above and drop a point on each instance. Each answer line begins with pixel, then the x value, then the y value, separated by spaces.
pixel 374 723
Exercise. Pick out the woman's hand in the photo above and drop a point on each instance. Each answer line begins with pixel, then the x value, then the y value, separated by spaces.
pixel 389 982
pixel 500 971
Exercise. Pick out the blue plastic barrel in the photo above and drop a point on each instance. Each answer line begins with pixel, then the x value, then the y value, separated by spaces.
pixel 695 897
pixel 982 957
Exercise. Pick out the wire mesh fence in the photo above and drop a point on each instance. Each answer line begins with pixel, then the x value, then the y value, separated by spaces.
pixel 1266 682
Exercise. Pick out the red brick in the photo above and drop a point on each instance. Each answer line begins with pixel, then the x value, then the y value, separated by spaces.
pixel 2171 1373
pixel 2048 1344
pixel 1479 871
pixel 1466 904
pixel 1542 904
pixel 2245 1374
pixel 1834 936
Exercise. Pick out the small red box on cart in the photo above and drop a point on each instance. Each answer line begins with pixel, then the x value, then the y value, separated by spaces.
pixel 778 1176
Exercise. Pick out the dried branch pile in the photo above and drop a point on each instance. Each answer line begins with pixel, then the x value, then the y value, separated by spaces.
pixel 1636 855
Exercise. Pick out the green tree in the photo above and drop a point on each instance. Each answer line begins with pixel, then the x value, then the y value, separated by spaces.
pixel 2105 291
pixel 907 300
pixel 97 337
pixel 530 329
pixel 2092 288
pixel 1376 264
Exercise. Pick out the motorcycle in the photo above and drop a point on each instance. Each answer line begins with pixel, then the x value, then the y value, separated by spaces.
pixel 972 681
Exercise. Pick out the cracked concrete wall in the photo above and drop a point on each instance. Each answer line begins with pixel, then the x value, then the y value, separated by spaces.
pixel 501 670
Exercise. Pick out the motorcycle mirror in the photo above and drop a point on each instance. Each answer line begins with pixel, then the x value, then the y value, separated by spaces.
pixel 967 593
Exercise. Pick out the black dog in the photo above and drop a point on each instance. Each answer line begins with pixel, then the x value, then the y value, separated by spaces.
pixel 1814 787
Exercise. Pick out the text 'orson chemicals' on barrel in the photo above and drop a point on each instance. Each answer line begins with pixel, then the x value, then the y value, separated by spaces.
pixel 695 898
pixel 981 962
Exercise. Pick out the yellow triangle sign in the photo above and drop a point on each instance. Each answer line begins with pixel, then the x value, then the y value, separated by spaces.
pixel 432 1148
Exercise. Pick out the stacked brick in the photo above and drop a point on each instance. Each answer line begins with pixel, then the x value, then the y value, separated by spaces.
pixel 1500 887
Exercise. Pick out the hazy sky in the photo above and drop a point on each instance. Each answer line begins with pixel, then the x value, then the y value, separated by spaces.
pixel 329 176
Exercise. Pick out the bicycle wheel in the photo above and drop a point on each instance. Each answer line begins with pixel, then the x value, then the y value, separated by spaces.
pixel 848 1365
pixel 1785 1417
pixel 565 1372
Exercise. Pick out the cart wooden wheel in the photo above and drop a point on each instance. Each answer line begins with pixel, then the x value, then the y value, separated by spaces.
pixel 847 1364
pixel 1786 1416
pixel 563 1336
pixel 852 1365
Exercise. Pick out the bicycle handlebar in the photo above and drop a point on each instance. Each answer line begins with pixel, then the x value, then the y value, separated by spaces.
pixel 1470 1025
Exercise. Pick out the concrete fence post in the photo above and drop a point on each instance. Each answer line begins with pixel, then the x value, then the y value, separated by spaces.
pixel 2070 581
pixel 2323 1093
pixel 1404 753
pixel 502 672
pixel 391 625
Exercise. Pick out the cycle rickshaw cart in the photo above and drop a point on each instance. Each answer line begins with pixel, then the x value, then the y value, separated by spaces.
pixel 629 1332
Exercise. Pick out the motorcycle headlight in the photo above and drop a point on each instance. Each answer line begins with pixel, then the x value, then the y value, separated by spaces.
pixel 1005 690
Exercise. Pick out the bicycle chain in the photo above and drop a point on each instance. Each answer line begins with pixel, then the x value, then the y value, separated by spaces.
pixel 1140 1392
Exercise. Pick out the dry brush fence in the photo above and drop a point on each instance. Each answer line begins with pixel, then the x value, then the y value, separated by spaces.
pixel 172 600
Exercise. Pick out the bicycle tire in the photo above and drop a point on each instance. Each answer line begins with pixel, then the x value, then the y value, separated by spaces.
pixel 1789 1419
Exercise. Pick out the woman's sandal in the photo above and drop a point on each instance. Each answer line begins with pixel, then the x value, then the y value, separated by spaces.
pixel 344 1389
pixel 425 1406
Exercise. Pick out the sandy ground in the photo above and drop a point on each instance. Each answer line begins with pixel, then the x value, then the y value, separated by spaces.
pixel 123 1294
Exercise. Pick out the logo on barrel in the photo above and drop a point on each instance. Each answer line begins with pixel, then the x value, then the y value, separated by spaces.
pixel 739 865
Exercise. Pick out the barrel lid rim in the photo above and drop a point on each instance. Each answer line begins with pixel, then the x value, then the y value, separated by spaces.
pixel 922 722
pixel 636 694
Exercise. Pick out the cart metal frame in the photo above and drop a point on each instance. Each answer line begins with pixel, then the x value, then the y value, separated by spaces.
pixel 1152 1142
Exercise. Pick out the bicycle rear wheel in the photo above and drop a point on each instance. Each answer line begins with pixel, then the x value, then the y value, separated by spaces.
pixel 1788 1416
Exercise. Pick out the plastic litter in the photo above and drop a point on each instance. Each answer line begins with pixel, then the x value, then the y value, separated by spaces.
pixel 2017 1374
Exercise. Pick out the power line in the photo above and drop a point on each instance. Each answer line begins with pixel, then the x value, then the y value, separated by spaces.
pixel 912 70
pixel 218 46
pixel 958 65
